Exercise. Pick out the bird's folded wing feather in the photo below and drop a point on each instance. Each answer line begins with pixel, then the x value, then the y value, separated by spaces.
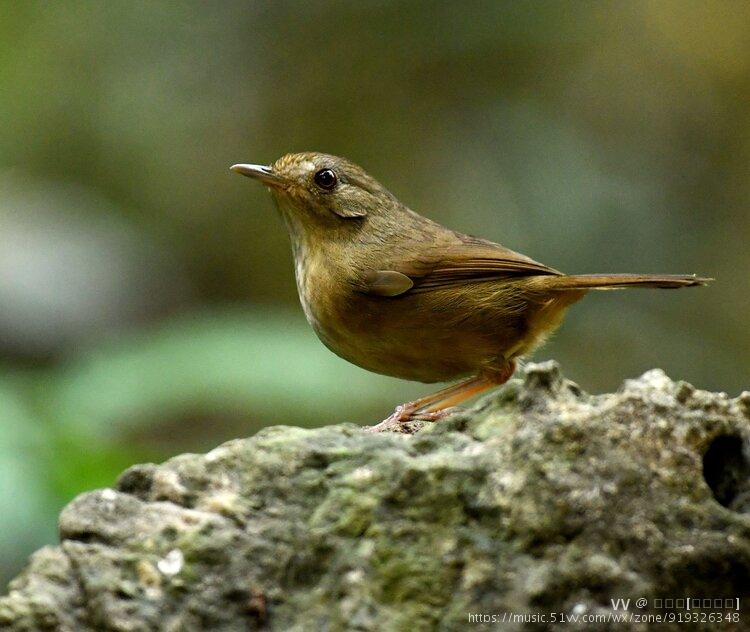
pixel 466 262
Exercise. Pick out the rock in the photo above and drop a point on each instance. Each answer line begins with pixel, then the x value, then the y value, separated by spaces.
pixel 540 501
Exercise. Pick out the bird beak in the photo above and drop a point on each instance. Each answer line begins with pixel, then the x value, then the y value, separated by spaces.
pixel 260 172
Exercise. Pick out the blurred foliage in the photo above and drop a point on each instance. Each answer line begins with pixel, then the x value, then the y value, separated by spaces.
pixel 147 302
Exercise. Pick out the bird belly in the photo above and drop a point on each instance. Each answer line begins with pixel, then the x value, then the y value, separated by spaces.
pixel 421 337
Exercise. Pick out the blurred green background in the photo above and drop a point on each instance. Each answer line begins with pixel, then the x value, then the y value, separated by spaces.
pixel 147 300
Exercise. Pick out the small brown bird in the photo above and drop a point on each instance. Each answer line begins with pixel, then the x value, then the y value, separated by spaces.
pixel 401 295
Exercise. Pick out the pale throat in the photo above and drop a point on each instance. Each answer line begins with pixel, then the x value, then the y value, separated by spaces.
pixel 306 264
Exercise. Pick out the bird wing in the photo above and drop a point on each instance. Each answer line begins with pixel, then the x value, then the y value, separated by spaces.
pixel 468 261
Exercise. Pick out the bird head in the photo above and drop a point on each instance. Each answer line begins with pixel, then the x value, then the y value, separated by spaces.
pixel 319 188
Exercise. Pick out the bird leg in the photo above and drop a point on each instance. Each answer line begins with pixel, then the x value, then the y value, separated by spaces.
pixel 437 405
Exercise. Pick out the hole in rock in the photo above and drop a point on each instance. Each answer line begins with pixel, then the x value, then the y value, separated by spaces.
pixel 727 472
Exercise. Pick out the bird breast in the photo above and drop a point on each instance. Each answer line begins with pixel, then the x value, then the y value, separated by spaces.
pixel 307 271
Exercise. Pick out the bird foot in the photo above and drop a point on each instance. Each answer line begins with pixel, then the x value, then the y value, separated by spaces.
pixel 401 415
pixel 406 413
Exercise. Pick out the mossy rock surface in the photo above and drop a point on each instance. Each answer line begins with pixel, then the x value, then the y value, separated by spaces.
pixel 541 499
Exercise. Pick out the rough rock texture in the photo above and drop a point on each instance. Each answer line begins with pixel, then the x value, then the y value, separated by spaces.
pixel 540 500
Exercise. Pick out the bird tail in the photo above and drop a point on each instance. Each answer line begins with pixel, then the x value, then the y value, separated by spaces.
pixel 621 281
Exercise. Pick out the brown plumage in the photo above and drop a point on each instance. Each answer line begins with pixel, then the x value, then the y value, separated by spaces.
pixel 401 295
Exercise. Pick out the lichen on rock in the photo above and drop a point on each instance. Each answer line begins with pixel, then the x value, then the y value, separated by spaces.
pixel 540 499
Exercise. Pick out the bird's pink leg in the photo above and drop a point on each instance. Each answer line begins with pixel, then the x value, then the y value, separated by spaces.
pixel 435 406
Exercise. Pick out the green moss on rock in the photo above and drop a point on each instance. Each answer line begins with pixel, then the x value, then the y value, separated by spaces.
pixel 541 498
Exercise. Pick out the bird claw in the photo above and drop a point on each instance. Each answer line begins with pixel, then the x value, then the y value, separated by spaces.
pixel 406 413
pixel 401 415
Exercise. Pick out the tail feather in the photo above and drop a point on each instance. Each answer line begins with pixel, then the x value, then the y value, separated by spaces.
pixel 620 281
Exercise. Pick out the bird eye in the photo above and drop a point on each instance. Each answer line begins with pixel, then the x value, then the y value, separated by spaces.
pixel 325 179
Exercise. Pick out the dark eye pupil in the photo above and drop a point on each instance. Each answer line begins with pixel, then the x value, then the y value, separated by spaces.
pixel 325 179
